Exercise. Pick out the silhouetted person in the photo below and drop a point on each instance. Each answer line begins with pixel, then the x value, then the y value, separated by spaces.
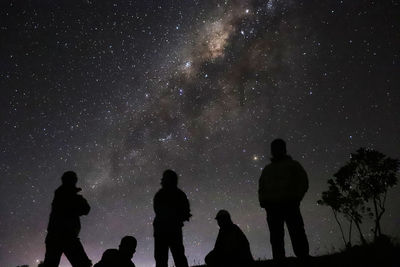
pixel 172 209
pixel 120 257
pixel 232 248
pixel 64 225
pixel 282 185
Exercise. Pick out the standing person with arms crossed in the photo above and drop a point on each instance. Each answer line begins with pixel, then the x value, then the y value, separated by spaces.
pixel 172 209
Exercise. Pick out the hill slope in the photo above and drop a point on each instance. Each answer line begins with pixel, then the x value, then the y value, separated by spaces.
pixel 380 254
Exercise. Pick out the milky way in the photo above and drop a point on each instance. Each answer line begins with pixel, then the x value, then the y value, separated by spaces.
pixel 119 91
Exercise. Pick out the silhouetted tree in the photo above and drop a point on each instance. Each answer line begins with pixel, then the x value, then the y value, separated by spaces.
pixel 376 173
pixel 344 196
pixel 365 178
pixel 334 199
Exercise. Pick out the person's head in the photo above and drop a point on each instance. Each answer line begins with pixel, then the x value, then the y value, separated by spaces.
pixel 278 148
pixel 223 218
pixel 169 179
pixel 128 246
pixel 69 179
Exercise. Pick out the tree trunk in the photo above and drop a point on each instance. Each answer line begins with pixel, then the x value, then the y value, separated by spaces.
pixel 379 221
pixel 350 230
pixel 363 241
pixel 340 227
pixel 377 230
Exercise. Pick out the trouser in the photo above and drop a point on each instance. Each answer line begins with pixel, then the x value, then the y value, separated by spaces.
pixel 169 239
pixel 71 247
pixel 290 214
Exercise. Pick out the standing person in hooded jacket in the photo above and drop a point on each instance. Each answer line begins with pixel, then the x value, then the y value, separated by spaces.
pixel 282 185
pixel 64 225
pixel 172 209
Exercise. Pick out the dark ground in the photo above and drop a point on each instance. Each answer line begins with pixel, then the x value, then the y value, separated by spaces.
pixel 383 254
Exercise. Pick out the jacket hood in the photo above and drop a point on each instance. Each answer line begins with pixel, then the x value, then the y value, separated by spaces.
pixel 282 158
pixel 68 189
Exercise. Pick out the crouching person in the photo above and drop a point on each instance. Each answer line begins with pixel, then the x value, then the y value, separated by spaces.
pixel 120 257
pixel 232 247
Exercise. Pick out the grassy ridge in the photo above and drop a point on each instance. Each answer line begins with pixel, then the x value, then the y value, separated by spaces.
pixel 383 253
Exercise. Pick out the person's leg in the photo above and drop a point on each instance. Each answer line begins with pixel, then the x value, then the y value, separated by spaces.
pixel 277 232
pixel 53 253
pixel 161 251
pixel 76 254
pixel 177 248
pixel 295 225
pixel 211 259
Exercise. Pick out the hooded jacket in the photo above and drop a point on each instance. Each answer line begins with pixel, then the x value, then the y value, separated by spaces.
pixel 282 181
pixel 114 258
pixel 232 247
pixel 172 208
pixel 66 208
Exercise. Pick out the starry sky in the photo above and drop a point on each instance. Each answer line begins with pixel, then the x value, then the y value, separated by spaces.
pixel 119 91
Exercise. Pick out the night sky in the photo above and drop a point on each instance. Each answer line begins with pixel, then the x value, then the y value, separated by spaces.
pixel 119 91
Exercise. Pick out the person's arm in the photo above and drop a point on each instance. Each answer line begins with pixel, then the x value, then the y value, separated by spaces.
pixel 218 247
pixel 261 189
pixel 302 180
pixel 185 208
pixel 83 207
pixel 244 246
pixel 156 203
